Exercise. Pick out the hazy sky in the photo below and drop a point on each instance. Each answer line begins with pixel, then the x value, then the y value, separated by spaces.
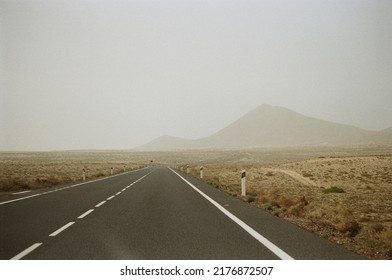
pixel 116 74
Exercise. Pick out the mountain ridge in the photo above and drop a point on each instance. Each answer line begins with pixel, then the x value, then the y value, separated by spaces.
pixel 275 126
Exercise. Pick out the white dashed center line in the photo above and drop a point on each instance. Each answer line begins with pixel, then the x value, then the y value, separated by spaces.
pixel 27 251
pixel 100 204
pixel 61 229
pixel 55 233
pixel 85 214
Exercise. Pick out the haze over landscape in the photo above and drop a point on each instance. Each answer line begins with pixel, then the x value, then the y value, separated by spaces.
pixel 117 115
pixel 118 74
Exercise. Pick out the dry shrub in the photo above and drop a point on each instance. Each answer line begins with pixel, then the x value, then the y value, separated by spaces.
pixel 340 218
pixel 270 197
pixel 250 198
pixel 379 238
pixel 285 202
pixel 333 190
pixel 214 181
pixel 346 225
pixel 291 205
pixel 377 228
pixel 307 175
pixel 298 208
pixel 14 184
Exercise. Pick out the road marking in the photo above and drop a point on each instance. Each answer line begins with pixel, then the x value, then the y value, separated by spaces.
pixel 85 214
pixel 27 251
pixel 109 198
pixel 21 198
pixel 100 204
pixel 72 186
pixel 272 247
pixel 61 229
pixel 16 193
pixel 55 233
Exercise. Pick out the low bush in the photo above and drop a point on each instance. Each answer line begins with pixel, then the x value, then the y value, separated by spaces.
pixel 333 190
pixel 250 198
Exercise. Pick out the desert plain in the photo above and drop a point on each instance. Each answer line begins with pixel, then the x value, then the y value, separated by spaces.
pixel 343 194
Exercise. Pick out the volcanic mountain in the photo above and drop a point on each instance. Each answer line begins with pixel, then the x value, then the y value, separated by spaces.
pixel 272 126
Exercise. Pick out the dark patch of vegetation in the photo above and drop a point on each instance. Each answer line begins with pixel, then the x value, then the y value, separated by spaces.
pixel 333 190
pixel 250 198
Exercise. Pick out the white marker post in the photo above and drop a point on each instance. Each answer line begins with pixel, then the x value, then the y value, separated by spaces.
pixel 187 169
pixel 84 175
pixel 201 172
pixel 111 171
pixel 243 183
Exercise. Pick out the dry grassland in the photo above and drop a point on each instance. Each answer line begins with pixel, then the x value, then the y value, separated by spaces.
pixel 343 194
pixel 346 199
pixel 29 171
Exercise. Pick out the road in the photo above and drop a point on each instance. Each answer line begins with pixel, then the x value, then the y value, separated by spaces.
pixel 152 213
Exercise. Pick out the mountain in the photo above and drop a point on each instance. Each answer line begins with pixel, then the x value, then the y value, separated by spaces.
pixel 166 142
pixel 277 126
pixel 385 136
pixel 272 126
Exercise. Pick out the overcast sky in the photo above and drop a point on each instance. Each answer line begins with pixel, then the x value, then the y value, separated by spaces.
pixel 117 74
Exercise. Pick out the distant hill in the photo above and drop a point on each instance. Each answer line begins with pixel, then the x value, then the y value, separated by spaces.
pixel 385 136
pixel 166 142
pixel 272 126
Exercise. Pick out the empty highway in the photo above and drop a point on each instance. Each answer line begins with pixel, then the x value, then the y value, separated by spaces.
pixel 151 213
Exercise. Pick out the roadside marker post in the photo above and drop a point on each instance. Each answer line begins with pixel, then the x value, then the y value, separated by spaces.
pixel 111 171
pixel 84 174
pixel 243 183
pixel 201 172
pixel 187 169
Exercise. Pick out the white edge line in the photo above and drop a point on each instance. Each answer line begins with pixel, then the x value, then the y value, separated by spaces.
pixel 61 229
pixel 85 214
pixel 100 204
pixel 16 193
pixel 272 247
pixel 26 252
pixel 21 198
pixel 118 193
pixel 72 186
pixel 109 198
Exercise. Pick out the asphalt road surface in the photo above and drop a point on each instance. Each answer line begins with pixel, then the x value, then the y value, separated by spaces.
pixel 151 213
